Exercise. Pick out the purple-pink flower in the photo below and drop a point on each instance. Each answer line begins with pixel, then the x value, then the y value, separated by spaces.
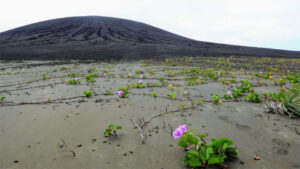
pixel 229 92
pixel 183 128
pixel 120 93
pixel 104 74
pixel 76 78
pixel 130 74
pixel 141 76
pixel 219 73
pixel 140 81
pixel 179 131
pixel 260 72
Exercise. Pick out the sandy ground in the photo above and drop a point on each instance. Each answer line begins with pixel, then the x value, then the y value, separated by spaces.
pixel 31 128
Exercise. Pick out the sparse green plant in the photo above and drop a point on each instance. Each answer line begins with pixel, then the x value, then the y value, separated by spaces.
pixel 112 129
pixel 88 93
pixel 152 85
pixel 121 75
pixel 265 94
pixel 161 79
pixel 172 95
pixel 2 98
pixel 191 83
pixel 90 77
pixel 74 81
pixel 164 82
pixel 154 94
pixel 281 81
pixel 266 75
pixel 136 85
pixel 92 69
pixel 201 154
pixel 289 100
pixel 139 71
pixel 261 82
pixel 193 77
pixel 216 98
pixel 182 105
pixel 192 103
pixel 200 102
pixel 171 73
pixel 123 92
pixel 109 92
pixel 72 75
pixel 294 78
pixel 254 97
pixel 63 68
pixel 92 80
pixel 227 96
pixel 169 61
pixel 44 76
pixel 152 72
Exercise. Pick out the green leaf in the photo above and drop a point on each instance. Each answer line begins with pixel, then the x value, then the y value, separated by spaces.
pixel 225 145
pixel 195 162
pixel 213 160
pixel 216 159
pixel 193 154
pixel 191 139
pixel 186 159
pixel 231 151
pixel 111 126
pixel 119 127
pixel 182 143
pixel 205 153
pixel 107 132
pixel 202 136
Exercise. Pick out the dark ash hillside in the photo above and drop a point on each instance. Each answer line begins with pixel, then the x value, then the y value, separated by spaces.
pixel 96 37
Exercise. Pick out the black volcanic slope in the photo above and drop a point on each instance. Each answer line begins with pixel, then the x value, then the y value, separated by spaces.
pixel 96 37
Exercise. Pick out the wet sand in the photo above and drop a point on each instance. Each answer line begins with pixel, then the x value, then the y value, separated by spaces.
pixel 31 128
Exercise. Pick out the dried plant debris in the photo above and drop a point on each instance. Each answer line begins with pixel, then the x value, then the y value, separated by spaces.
pixel 275 108
pixel 64 148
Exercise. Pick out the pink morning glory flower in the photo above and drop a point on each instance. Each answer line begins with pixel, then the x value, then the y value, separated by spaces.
pixel 120 93
pixel 229 92
pixel 179 131
pixel 141 76
pixel 140 81
pixel 219 73
pixel 260 72
pixel 183 128
pixel 104 74
pixel 130 74
pixel 76 78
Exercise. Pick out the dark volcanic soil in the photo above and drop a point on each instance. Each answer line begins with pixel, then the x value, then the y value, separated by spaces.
pixel 96 37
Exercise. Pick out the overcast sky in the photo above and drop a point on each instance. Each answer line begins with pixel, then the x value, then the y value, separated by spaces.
pixel 262 23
